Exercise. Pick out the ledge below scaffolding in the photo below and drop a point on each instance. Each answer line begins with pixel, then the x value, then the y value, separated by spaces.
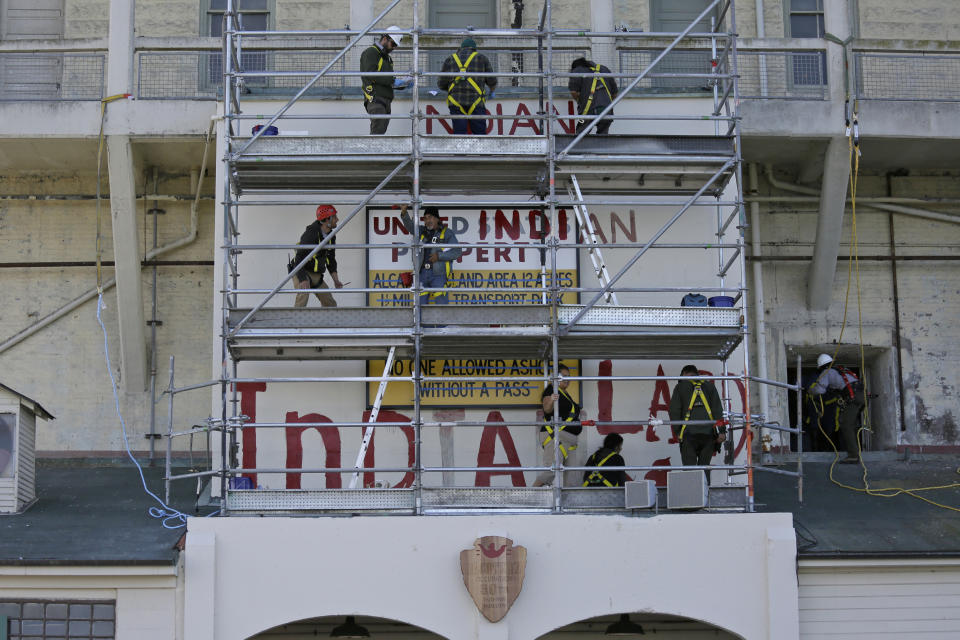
pixel 612 164
pixel 520 331
pixel 454 500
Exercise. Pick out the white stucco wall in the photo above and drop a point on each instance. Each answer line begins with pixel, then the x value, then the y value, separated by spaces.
pixel 282 570
pixel 148 599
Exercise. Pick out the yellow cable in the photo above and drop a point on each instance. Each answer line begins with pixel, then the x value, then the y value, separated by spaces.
pixel 853 266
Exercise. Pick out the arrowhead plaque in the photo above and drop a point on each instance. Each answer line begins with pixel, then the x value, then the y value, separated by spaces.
pixel 493 574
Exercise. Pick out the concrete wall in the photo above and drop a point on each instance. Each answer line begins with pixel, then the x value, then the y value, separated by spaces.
pixel 86 18
pixel 921 20
pixel 282 572
pixel 926 299
pixel 64 364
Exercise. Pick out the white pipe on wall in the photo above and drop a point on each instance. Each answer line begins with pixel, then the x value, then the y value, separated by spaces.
pixel 759 314
pixel 190 236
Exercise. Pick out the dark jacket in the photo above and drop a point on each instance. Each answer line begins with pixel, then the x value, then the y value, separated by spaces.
pixel 603 92
pixel 680 404
pixel 463 91
pixel 600 459
pixel 325 259
pixel 441 235
pixel 376 59
pixel 569 410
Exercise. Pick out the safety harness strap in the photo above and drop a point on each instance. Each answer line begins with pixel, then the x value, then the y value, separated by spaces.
pixel 368 90
pixel 697 393
pixel 463 69
pixel 447 265
pixel 593 89
pixel 570 417
pixel 596 475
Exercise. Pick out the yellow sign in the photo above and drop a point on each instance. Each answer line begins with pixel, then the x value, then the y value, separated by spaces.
pixel 521 287
pixel 521 383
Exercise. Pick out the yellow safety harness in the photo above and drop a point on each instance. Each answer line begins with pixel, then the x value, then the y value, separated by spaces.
pixel 447 265
pixel 593 89
pixel 368 90
pixel 596 475
pixel 697 393
pixel 316 257
pixel 463 69
pixel 565 450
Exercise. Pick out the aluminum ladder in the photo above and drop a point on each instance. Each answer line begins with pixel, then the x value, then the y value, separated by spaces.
pixel 583 220
pixel 374 412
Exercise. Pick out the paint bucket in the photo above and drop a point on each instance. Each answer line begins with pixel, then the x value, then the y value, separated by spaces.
pixel 720 301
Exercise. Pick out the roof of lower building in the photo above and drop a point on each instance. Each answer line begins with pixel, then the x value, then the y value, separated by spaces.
pixel 93 515
pixel 845 521
pixel 98 514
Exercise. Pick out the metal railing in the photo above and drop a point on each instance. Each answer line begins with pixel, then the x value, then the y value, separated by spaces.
pixel 198 74
pixel 913 76
pixel 664 77
pixel 784 75
pixel 36 76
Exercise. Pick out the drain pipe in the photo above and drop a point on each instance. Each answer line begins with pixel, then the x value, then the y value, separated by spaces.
pixel 153 253
pixel 759 317
pixel 866 202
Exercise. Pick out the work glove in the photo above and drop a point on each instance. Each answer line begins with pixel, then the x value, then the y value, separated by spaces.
pixel 654 422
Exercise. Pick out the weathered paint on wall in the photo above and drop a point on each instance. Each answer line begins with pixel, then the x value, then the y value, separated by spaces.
pixel 921 19
pixel 927 303
pixel 64 364
pixel 86 18
pixel 168 18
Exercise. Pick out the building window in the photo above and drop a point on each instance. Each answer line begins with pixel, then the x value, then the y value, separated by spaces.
pixel 254 15
pixel 805 20
pixel 61 619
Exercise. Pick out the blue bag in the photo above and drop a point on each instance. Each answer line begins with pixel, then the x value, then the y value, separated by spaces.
pixel 693 300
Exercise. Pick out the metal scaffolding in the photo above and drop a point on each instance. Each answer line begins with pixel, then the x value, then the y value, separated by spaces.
pixel 668 167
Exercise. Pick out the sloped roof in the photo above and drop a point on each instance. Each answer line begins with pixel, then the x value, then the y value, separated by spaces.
pixel 834 521
pixel 37 408
pixel 93 515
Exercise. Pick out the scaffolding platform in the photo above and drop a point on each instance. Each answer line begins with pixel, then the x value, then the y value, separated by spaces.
pixel 610 164
pixel 446 500
pixel 508 331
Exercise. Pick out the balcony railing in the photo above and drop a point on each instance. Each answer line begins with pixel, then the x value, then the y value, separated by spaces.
pixel 784 75
pixel 914 76
pixel 54 76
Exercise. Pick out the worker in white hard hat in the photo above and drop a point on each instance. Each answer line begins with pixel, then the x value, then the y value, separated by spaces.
pixel 840 401
pixel 378 90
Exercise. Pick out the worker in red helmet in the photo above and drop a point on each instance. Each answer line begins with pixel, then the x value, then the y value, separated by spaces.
pixel 310 275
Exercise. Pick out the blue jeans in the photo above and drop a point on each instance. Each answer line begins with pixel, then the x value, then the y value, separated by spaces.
pixel 435 277
pixel 461 125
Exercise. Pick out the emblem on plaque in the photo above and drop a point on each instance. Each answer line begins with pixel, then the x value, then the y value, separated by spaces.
pixel 493 574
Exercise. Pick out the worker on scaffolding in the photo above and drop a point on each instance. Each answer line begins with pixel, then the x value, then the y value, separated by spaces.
pixel 570 426
pixel 436 266
pixel 378 90
pixel 606 456
pixel 697 400
pixel 592 92
pixel 841 401
pixel 465 95
pixel 310 276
